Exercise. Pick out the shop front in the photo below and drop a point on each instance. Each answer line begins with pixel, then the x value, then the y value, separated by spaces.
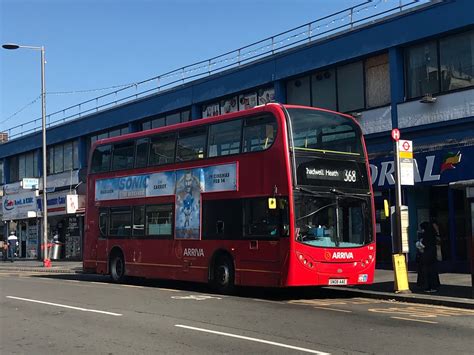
pixel 20 215
pixel 65 223
pixel 435 197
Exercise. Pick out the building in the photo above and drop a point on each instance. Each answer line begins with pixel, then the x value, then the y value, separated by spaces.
pixel 412 68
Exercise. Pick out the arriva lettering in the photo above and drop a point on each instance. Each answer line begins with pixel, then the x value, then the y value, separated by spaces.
pixel 193 252
pixel 342 255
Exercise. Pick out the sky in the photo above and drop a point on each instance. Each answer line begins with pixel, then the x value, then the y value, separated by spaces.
pixel 95 44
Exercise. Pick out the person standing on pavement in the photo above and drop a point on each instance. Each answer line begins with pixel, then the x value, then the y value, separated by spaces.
pixel 420 248
pixel 5 250
pixel 428 259
pixel 12 244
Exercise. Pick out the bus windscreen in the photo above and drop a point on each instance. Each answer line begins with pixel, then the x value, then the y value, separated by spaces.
pixel 322 131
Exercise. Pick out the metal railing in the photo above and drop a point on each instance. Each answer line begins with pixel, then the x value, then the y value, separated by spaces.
pixel 348 19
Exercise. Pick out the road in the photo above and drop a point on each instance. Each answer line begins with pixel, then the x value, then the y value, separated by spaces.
pixel 79 314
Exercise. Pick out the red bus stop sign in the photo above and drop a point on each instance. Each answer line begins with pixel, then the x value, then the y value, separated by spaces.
pixel 395 134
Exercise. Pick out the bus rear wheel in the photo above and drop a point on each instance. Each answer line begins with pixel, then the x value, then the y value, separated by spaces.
pixel 223 275
pixel 117 268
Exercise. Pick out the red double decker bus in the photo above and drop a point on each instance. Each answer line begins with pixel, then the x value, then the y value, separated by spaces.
pixel 277 196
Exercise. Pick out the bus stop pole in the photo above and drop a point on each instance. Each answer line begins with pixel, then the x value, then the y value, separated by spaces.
pixel 401 284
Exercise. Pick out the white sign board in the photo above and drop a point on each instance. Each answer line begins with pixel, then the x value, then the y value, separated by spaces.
pixel 407 172
pixel 30 183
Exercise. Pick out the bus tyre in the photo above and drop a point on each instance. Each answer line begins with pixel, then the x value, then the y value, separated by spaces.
pixel 117 268
pixel 223 275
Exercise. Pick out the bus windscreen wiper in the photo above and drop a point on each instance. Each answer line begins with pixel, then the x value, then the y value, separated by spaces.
pixel 314 193
pixel 354 195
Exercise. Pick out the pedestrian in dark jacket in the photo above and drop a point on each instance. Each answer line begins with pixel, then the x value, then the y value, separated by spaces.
pixel 420 248
pixel 428 259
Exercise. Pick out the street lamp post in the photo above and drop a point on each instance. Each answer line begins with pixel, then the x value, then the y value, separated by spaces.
pixel 46 262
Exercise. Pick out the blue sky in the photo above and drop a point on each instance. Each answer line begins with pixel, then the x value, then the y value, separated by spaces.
pixel 92 44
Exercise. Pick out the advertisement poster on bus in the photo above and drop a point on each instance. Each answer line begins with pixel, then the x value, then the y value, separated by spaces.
pixel 147 185
pixel 220 178
pixel 188 203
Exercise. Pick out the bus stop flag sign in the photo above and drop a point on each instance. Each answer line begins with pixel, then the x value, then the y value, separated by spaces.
pixel 407 176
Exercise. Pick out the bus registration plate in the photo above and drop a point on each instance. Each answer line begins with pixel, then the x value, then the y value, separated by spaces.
pixel 337 281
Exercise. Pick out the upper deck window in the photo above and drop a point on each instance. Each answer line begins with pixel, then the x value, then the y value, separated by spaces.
pixel 162 149
pixel 123 156
pixel 101 159
pixel 326 132
pixel 259 133
pixel 191 144
pixel 224 138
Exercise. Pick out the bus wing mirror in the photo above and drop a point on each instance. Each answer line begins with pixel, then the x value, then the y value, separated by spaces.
pixel 272 203
pixel 386 208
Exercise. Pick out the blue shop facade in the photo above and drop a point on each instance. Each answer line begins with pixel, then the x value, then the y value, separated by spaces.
pixel 412 70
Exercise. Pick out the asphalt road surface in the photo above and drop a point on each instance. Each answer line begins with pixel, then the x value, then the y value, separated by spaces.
pixel 84 314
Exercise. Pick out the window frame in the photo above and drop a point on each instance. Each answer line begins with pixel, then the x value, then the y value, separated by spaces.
pixel 125 142
pixel 437 41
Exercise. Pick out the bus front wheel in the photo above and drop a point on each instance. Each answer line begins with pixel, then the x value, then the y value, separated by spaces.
pixel 117 268
pixel 223 276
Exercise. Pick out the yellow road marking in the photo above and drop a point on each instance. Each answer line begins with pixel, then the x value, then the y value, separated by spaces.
pixel 415 320
pixel 333 309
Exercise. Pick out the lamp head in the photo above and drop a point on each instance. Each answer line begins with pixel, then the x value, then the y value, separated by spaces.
pixel 11 46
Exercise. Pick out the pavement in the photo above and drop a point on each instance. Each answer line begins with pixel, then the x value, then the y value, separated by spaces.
pixel 456 289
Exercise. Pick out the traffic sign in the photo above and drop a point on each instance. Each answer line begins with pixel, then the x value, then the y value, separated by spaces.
pixel 395 134
pixel 406 162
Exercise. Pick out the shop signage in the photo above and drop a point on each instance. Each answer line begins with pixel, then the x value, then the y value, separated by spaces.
pixel 17 206
pixel 438 167
pixel 56 203
pixel 30 183
pixel 75 203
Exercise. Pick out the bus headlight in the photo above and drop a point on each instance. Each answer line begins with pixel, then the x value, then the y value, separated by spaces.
pixel 306 260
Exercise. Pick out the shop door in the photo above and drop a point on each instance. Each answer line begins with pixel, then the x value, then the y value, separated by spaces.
pixel 22 239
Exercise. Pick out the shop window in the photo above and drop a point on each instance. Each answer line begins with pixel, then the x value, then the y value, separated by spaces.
pixel 173 119
pixel 14 169
pixel 21 167
pixel 422 70
pixel 162 149
pixel 75 154
pixel 120 221
pixel 229 105
pixel 457 61
pixel 324 89
pixel 146 125
pixel 159 220
pixel 266 95
pixel 68 156
pixel 298 91
pixel 350 87
pixel 377 78
pixel 222 219
pixel 191 144
pixel 224 138
pixel 259 133
pixel 185 116
pixel 210 110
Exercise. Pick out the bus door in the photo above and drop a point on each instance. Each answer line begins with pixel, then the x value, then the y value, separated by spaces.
pixel 263 229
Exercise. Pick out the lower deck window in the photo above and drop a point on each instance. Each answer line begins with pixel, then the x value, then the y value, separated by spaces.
pixel 159 219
